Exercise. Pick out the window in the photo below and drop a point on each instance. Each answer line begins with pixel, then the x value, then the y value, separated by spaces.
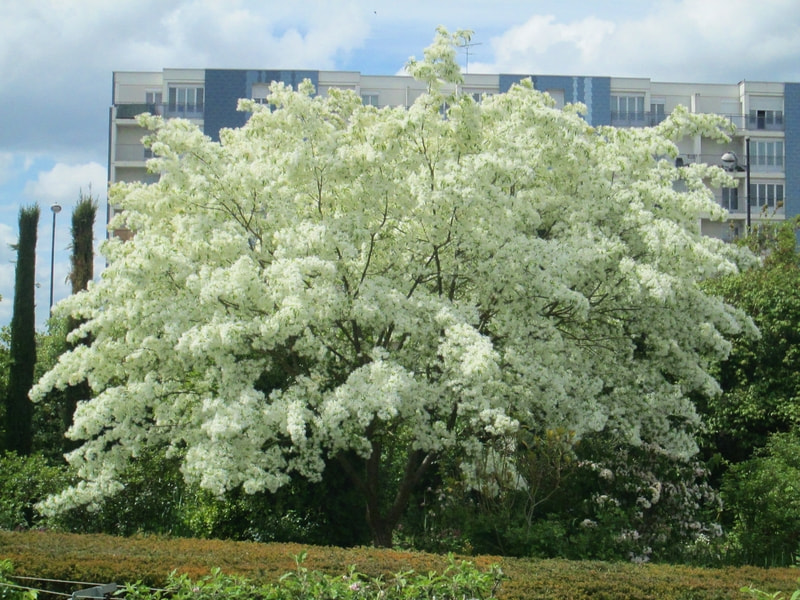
pixel 260 92
pixel 476 94
pixel 769 195
pixel 153 97
pixel 369 99
pixel 766 154
pixel 658 111
pixel 730 198
pixel 627 108
pixel 155 101
pixel 765 119
pixel 558 96
pixel 185 100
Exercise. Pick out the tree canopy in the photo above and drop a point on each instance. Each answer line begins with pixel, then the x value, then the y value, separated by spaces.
pixel 761 378
pixel 375 287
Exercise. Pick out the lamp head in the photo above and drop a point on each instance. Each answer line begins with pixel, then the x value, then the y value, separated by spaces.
pixel 729 161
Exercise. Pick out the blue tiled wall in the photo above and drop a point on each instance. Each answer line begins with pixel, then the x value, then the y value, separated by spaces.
pixel 791 110
pixel 224 87
pixel 594 92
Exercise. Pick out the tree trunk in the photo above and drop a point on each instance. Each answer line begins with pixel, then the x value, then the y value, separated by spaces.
pixel 19 410
pixel 382 521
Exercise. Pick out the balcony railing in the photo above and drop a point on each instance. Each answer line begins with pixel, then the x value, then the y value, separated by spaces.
pixel 775 165
pixel 636 119
pixel 759 208
pixel 130 111
pixel 185 111
pixel 647 119
pixel 131 153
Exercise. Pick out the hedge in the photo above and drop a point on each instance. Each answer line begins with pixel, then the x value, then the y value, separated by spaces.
pixel 150 559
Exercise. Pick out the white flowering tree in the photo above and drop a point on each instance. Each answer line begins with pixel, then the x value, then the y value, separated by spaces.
pixel 334 281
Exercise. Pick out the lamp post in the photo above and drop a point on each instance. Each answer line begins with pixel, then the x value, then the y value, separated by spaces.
pixel 56 208
pixel 730 162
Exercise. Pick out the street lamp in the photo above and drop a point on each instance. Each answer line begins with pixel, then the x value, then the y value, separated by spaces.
pixel 730 162
pixel 56 208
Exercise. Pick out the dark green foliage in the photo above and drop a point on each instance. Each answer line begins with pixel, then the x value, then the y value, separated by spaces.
pixel 19 410
pixel 763 495
pixel 48 414
pixel 157 500
pixel 594 499
pixel 151 502
pixel 747 443
pixel 24 481
pixel 82 257
pixel 761 378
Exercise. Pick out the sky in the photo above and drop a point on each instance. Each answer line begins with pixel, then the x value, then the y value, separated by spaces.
pixel 57 59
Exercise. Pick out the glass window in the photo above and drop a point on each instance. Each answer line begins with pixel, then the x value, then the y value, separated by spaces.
pixel 369 99
pixel 765 119
pixel 627 108
pixel 766 153
pixel 769 195
pixel 657 112
pixel 185 100
pixel 730 198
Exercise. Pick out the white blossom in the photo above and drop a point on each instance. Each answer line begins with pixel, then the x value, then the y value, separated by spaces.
pixel 331 275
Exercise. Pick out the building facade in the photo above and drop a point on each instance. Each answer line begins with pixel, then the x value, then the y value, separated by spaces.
pixel 766 116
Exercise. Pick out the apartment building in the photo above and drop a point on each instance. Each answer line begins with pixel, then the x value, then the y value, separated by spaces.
pixel 765 150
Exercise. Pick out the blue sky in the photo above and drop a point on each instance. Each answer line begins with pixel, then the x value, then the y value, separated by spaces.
pixel 57 56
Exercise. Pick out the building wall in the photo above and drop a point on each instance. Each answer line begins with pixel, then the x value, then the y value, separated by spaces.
pixel 594 92
pixel 224 88
pixel 792 148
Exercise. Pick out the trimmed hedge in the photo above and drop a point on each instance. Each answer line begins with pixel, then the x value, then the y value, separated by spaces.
pixel 150 559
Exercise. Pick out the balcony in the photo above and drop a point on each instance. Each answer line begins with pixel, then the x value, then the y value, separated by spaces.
pixel 129 110
pixel 769 165
pixel 184 111
pixel 636 119
pixel 755 121
pixel 131 153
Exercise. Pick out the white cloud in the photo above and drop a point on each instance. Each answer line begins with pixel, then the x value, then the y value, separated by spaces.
pixel 7 257
pixel 63 184
pixel 682 40
pixel 529 46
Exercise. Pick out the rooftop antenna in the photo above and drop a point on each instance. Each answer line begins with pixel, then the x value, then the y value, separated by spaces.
pixel 467 46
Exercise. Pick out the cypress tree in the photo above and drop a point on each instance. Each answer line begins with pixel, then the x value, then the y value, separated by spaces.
pixel 81 273
pixel 19 410
pixel 83 217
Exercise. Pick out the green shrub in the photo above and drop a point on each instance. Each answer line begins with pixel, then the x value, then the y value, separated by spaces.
pixel 8 589
pixel 762 495
pixel 459 580
pixel 24 481
pixel 774 595
pixel 599 498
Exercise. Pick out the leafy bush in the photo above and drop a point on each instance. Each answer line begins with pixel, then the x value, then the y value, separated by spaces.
pixel 762 495
pixel 459 580
pixel 761 595
pixel 598 499
pixel 8 589
pixel 156 499
pixel 24 481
